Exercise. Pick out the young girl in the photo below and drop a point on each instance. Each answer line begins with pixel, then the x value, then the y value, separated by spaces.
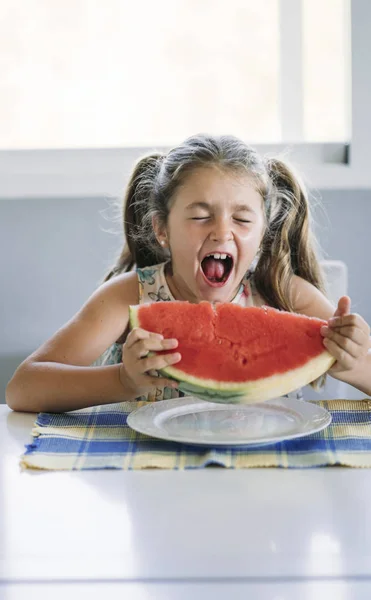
pixel 211 220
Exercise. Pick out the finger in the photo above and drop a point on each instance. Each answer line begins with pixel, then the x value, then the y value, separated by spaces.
pixel 158 382
pixel 343 307
pixel 345 343
pixel 357 335
pixel 352 319
pixel 137 334
pixel 153 373
pixel 143 347
pixel 159 362
pixel 344 358
pixel 162 382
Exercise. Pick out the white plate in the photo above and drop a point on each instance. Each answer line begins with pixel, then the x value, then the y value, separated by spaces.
pixel 193 421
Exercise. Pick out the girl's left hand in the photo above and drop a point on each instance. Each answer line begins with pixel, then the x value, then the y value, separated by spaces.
pixel 346 337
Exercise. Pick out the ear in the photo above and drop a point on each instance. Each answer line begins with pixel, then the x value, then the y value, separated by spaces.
pixel 160 231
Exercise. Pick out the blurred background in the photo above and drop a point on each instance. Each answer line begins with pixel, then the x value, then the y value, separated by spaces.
pixel 88 86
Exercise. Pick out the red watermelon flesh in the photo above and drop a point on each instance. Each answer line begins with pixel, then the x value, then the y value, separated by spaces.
pixel 228 350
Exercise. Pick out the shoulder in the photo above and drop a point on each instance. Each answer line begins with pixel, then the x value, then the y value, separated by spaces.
pixel 122 289
pixel 111 300
pixel 96 326
pixel 308 300
pixel 107 309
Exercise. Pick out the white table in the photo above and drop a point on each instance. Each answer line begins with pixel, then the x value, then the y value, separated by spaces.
pixel 211 533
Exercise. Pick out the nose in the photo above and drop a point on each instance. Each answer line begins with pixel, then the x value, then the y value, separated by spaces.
pixel 221 230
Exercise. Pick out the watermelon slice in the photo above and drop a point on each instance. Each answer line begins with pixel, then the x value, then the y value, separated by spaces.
pixel 231 353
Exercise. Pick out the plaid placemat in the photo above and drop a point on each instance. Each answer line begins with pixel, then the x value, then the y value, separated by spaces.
pixel 98 438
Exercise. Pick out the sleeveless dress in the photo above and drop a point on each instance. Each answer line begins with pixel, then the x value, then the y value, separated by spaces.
pixel 153 287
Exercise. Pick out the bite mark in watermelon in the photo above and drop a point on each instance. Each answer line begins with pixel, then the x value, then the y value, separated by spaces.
pixel 231 352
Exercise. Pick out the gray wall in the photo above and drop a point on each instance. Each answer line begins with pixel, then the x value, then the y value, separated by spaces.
pixel 55 252
pixel 53 255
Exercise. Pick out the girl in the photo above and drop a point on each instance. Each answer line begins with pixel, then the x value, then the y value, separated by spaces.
pixel 211 220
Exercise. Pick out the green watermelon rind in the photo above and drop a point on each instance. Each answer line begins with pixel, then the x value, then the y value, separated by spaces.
pixel 258 389
pixel 209 395
pixel 252 391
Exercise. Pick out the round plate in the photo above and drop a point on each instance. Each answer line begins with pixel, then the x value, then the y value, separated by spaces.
pixel 193 421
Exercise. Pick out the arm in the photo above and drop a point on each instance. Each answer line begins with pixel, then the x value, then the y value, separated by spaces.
pixel 57 377
pixel 346 336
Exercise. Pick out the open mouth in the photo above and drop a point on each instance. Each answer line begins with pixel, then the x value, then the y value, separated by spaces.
pixel 217 268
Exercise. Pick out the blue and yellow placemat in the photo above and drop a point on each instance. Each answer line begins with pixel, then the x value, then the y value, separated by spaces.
pixel 98 438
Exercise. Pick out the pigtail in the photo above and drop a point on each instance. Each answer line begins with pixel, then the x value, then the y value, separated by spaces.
pixel 288 246
pixel 139 250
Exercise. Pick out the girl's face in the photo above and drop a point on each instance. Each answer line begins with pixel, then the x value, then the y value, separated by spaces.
pixel 214 230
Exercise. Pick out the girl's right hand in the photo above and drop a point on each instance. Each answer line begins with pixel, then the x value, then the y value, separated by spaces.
pixel 137 366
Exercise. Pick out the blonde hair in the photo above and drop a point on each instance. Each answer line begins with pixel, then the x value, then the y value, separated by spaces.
pixel 288 245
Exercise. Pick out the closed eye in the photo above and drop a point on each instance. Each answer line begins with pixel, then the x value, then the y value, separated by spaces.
pixel 204 218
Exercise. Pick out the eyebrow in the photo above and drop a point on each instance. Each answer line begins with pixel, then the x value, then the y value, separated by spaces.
pixel 236 207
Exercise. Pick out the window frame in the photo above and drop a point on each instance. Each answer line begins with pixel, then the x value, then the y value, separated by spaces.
pixel 56 173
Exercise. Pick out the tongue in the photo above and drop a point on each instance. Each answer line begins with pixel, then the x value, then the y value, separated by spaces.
pixel 213 268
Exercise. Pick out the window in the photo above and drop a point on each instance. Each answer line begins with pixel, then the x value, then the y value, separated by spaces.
pixel 92 74
pixel 326 70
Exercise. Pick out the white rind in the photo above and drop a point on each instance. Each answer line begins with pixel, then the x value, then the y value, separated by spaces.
pixel 133 316
pixel 265 388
